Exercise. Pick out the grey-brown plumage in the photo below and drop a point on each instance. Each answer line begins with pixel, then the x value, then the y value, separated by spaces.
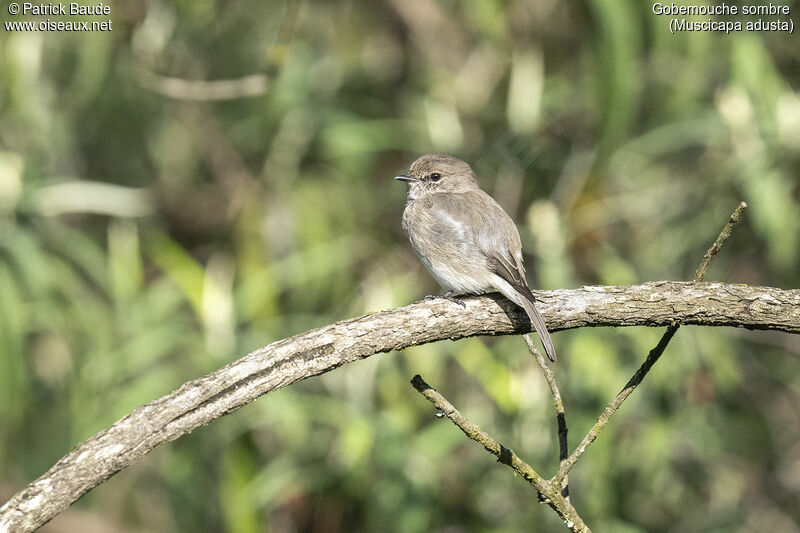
pixel 464 238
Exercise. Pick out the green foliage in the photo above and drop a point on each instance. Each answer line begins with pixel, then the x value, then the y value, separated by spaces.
pixel 146 239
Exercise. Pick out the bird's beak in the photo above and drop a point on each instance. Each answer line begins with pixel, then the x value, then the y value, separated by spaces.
pixel 405 177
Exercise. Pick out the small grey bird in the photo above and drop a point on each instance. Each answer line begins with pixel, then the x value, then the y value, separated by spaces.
pixel 464 238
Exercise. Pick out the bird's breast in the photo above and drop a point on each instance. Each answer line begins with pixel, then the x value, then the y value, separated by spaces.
pixel 446 247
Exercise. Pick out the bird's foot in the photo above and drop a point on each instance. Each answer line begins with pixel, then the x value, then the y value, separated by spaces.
pixel 448 296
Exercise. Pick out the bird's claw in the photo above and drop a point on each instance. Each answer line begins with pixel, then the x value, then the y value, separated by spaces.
pixel 449 296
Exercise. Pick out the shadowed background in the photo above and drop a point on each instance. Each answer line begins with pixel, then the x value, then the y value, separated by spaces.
pixel 154 227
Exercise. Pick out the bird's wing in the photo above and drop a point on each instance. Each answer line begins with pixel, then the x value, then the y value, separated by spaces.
pixel 513 272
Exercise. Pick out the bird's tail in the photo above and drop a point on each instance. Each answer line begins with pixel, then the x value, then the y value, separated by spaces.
pixel 541 329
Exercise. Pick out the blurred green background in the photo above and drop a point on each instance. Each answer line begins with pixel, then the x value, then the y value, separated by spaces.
pixel 154 227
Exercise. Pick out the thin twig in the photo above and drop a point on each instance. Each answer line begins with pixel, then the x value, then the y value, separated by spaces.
pixel 558 404
pixel 652 357
pixel 549 492
pixel 700 273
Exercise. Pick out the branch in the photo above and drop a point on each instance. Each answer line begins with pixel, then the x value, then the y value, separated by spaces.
pixel 549 492
pixel 317 351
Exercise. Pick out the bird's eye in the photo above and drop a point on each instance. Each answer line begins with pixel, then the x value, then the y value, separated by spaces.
pixel 435 176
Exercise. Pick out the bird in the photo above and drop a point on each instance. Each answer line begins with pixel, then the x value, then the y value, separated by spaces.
pixel 465 240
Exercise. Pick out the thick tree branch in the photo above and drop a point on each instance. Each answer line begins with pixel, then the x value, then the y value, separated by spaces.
pixel 289 360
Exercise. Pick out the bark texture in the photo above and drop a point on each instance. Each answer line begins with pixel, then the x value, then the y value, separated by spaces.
pixel 289 360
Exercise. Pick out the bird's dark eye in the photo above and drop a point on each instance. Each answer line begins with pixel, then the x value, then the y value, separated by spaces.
pixel 435 176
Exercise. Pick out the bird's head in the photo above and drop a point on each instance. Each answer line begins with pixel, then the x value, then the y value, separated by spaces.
pixel 435 173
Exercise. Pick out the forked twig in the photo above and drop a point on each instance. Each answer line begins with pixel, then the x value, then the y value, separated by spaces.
pixel 549 492
pixel 652 357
